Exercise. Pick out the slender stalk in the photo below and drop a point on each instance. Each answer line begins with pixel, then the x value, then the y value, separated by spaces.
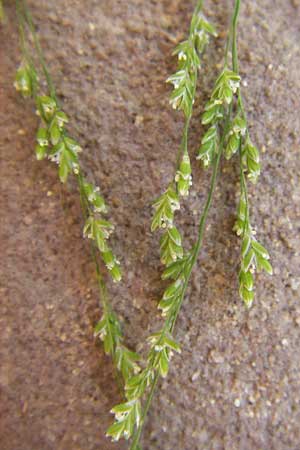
pixel 39 50
pixel 196 251
pixel 137 435
pixel 234 36
pixel 184 141
pixel 184 82
pixel 79 178
pixel 199 6
pixel 227 49
pixel 24 47
pixel 235 66
pixel 170 325
pixel 103 295
pixel 21 31
pixel 86 208
pixel 184 144
pixel 244 190
pixel 25 19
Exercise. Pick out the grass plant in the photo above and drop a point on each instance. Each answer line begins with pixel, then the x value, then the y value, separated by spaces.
pixel 55 144
pixel 226 134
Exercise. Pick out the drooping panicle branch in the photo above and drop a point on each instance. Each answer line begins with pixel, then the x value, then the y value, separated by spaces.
pixel 130 416
pixel 55 144
pixel 254 255
pixel 227 134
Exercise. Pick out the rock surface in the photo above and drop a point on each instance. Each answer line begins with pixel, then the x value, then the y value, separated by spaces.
pixel 236 385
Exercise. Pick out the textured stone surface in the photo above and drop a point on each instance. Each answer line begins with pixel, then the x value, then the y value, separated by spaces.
pixel 236 384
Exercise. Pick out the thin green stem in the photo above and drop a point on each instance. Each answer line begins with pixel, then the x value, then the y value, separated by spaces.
pixel 202 224
pixel 21 30
pixel 227 49
pixel 184 142
pixel 244 192
pixel 39 50
pixel 24 13
pixel 79 177
pixel 199 6
pixel 86 211
pixel 232 37
pixel 171 324
pixel 235 66
pixel 21 26
pixel 103 295
pixel 137 435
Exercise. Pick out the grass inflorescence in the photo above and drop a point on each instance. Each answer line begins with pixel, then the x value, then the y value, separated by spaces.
pixel 226 134
pixel 55 144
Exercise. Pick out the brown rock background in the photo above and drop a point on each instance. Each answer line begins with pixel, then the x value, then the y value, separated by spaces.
pixel 236 384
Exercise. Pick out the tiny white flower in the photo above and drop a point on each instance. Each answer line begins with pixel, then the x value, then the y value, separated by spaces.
pixel 182 56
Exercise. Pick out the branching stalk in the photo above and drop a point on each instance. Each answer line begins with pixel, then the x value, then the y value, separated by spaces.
pixel 195 254
pixel 253 255
pixel 130 417
pixel 227 133
pixel 40 53
pixel 54 143
pixel 227 129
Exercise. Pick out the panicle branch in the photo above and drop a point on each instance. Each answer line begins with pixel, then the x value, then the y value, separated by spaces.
pixel 55 144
